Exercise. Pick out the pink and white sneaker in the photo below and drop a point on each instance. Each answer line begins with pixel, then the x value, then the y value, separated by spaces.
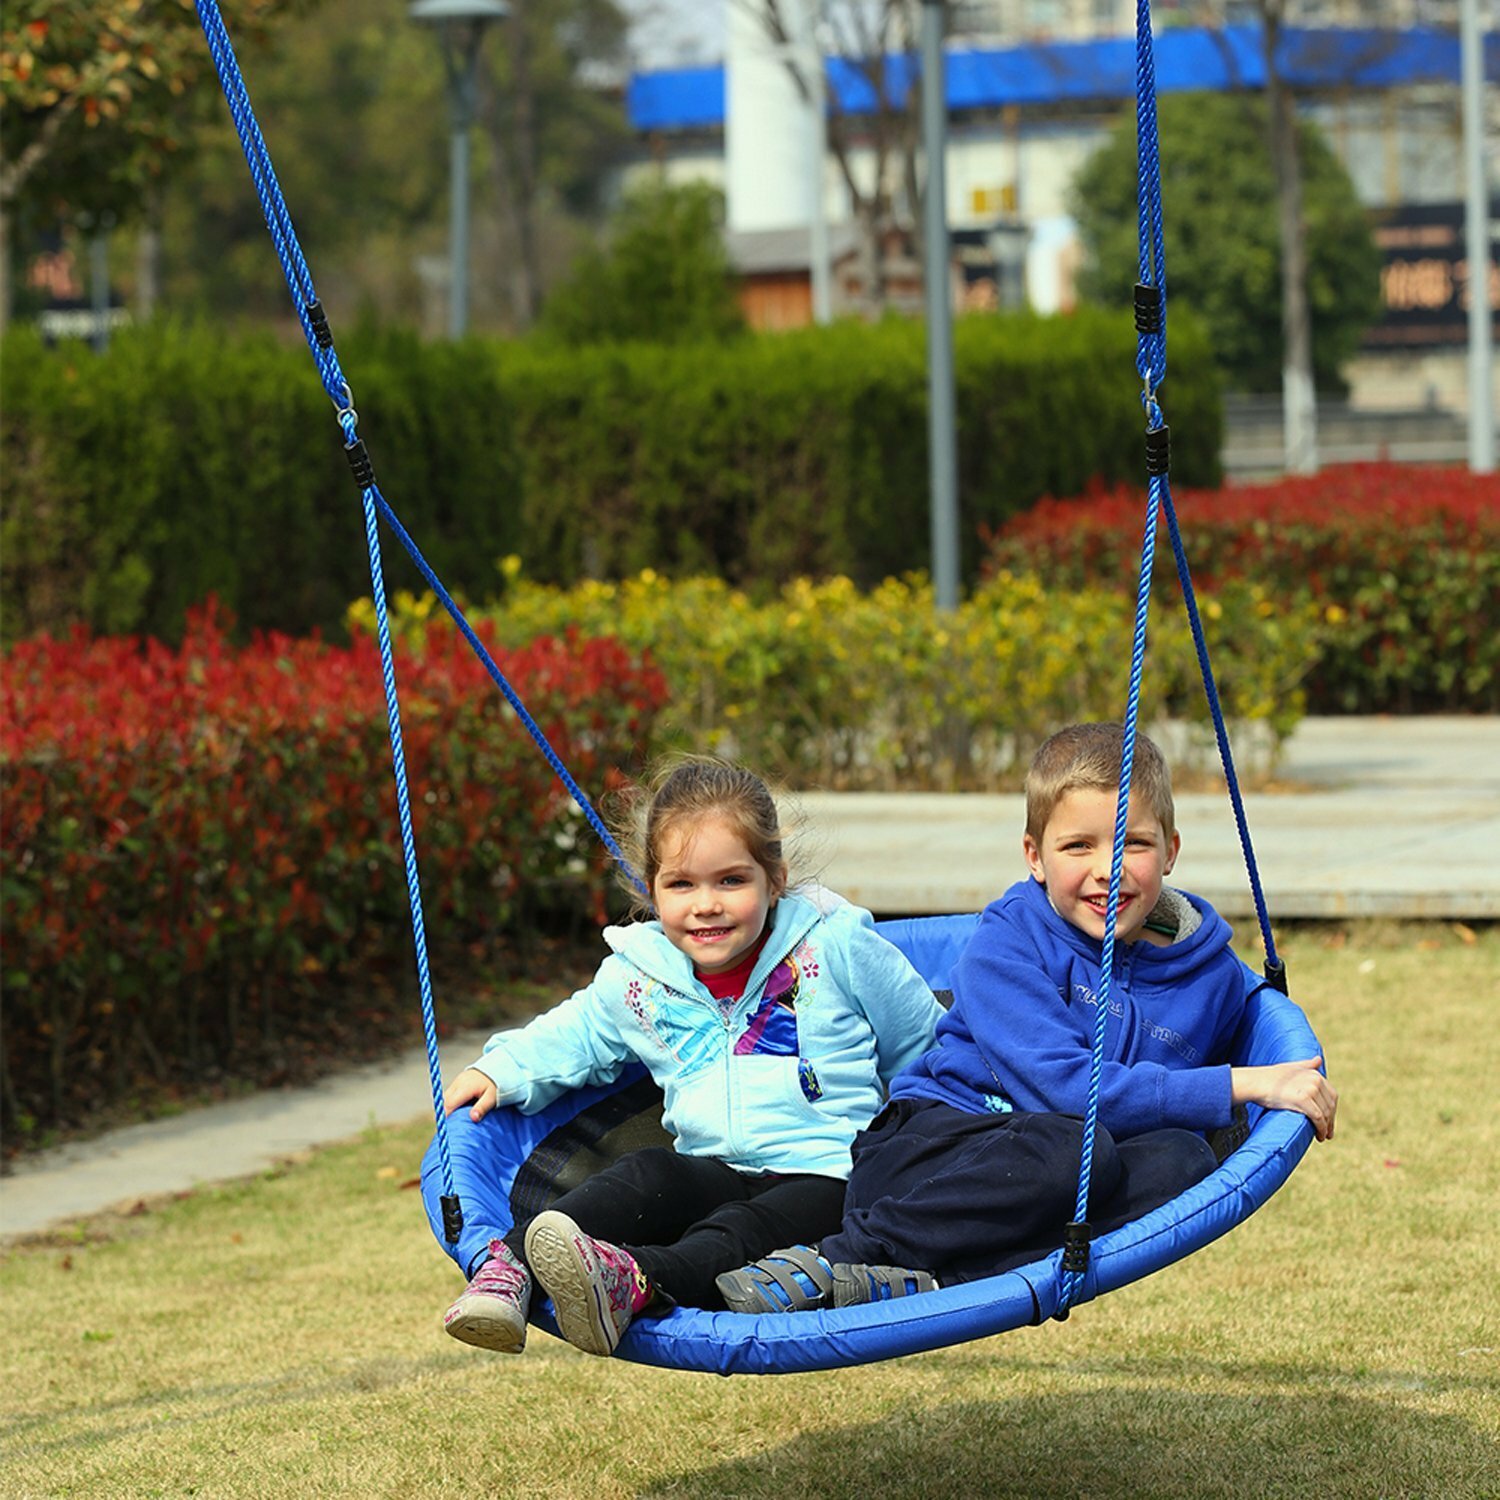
pixel 596 1288
pixel 491 1314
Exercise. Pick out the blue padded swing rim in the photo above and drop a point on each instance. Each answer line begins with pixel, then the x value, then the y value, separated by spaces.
pixel 787 1343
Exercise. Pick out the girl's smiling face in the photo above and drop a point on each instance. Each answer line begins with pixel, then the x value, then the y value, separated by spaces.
pixel 1076 850
pixel 711 895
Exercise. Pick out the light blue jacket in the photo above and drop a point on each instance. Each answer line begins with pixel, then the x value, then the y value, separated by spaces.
pixel 780 1080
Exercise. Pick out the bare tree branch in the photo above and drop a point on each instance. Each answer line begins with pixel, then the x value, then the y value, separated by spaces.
pixel 864 34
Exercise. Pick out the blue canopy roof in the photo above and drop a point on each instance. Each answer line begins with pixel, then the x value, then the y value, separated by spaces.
pixel 1056 72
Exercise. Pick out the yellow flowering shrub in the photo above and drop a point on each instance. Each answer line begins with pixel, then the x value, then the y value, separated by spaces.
pixel 824 684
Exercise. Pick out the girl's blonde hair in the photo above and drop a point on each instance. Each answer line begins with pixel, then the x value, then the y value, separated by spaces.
pixel 1087 757
pixel 689 791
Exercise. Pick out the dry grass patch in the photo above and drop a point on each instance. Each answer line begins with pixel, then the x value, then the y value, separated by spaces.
pixel 281 1335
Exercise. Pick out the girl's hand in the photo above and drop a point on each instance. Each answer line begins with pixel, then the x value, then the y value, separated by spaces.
pixel 471 1085
pixel 1294 1085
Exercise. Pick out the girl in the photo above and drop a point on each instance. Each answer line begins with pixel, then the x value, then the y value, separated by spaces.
pixel 772 1020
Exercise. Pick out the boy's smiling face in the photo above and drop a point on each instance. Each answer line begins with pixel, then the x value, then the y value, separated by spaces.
pixel 1074 855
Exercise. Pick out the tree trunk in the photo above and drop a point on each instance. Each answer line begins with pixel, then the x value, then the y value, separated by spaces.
pixel 514 166
pixel 863 34
pixel 5 303
pixel 528 284
pixel 148 258
pixel 1298 392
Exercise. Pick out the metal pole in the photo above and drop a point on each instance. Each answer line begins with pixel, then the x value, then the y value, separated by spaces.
pixel 460 26
pixel 458 231
pixel 818 207
pixel 941 439
pixel 463 68
pixel 817 239
pixel 1477 226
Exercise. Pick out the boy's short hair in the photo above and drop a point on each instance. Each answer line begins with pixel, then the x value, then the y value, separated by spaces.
pixel 1087 757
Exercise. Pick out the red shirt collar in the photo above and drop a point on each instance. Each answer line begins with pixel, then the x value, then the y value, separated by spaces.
pixel 729 984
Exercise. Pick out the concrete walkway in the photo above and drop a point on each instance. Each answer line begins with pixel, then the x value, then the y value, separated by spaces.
pixel 1398 818
pixel 1392 818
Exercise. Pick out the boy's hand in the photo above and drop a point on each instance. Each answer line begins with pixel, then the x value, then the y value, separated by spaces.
pixel 1294 1085
pixel 471 1084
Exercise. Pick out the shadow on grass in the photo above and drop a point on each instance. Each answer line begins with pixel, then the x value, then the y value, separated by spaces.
pixel 1146 1440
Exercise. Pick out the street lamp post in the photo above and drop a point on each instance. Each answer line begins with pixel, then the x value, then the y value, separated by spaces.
pixel 941 422
pixel 460 26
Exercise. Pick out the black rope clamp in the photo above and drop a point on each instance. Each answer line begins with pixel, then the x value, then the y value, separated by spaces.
pixel 1275 972
pixel 1076 1238
pixel 319 321
pixel 359 464
pixel 453 1217
pixel 1158 450
pixel 1147 308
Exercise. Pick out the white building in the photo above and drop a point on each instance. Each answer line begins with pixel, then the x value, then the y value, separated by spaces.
pixel 1379 76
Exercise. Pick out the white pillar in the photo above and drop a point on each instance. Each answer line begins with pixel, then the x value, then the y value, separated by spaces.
pixel 1477 236
pixel 766 139
pixel 817 208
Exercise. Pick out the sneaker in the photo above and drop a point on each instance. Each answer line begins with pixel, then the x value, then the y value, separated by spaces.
pixel 855 1285
pixel 796 1279
pixel 596 1288
pixel 491 1314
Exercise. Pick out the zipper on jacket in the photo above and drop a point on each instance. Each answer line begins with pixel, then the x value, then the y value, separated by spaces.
pixel 741 1013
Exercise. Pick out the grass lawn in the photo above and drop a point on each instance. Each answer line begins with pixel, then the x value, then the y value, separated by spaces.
pixel 280 1336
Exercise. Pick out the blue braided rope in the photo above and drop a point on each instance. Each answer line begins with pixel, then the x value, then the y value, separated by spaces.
pixel 1221 732
pixel 299 282
pixel 512 697
pixel 1151 348
pixel 273 205
pixel 1151 366
pixel 1070 1281
pixel 371 497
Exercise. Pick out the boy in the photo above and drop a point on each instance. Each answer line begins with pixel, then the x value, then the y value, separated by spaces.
pixel 972 1167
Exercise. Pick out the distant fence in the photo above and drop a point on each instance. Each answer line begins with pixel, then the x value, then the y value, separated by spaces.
pixel 1253 439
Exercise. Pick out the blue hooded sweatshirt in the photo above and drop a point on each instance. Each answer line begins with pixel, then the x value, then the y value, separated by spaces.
pixel 1021 1029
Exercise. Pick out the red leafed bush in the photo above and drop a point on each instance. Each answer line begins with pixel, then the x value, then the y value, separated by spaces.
pixel 201 845
pixel 1403 562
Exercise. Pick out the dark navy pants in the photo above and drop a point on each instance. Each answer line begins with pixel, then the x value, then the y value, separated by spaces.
pixel 688 1219
pixel 965 1196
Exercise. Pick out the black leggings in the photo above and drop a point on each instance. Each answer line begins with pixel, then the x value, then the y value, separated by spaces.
pixel 688 1219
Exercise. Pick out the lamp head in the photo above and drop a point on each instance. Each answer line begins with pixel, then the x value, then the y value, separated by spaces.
pixel 441 12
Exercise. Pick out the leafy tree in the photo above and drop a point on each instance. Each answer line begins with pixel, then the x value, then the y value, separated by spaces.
pixel 663 277
pixel 99 96
pixel 353 103
pixel 549 128
pixel 1223 245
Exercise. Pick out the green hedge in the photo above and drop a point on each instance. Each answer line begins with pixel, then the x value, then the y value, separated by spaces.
pixel 186 463
pixel 189 462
